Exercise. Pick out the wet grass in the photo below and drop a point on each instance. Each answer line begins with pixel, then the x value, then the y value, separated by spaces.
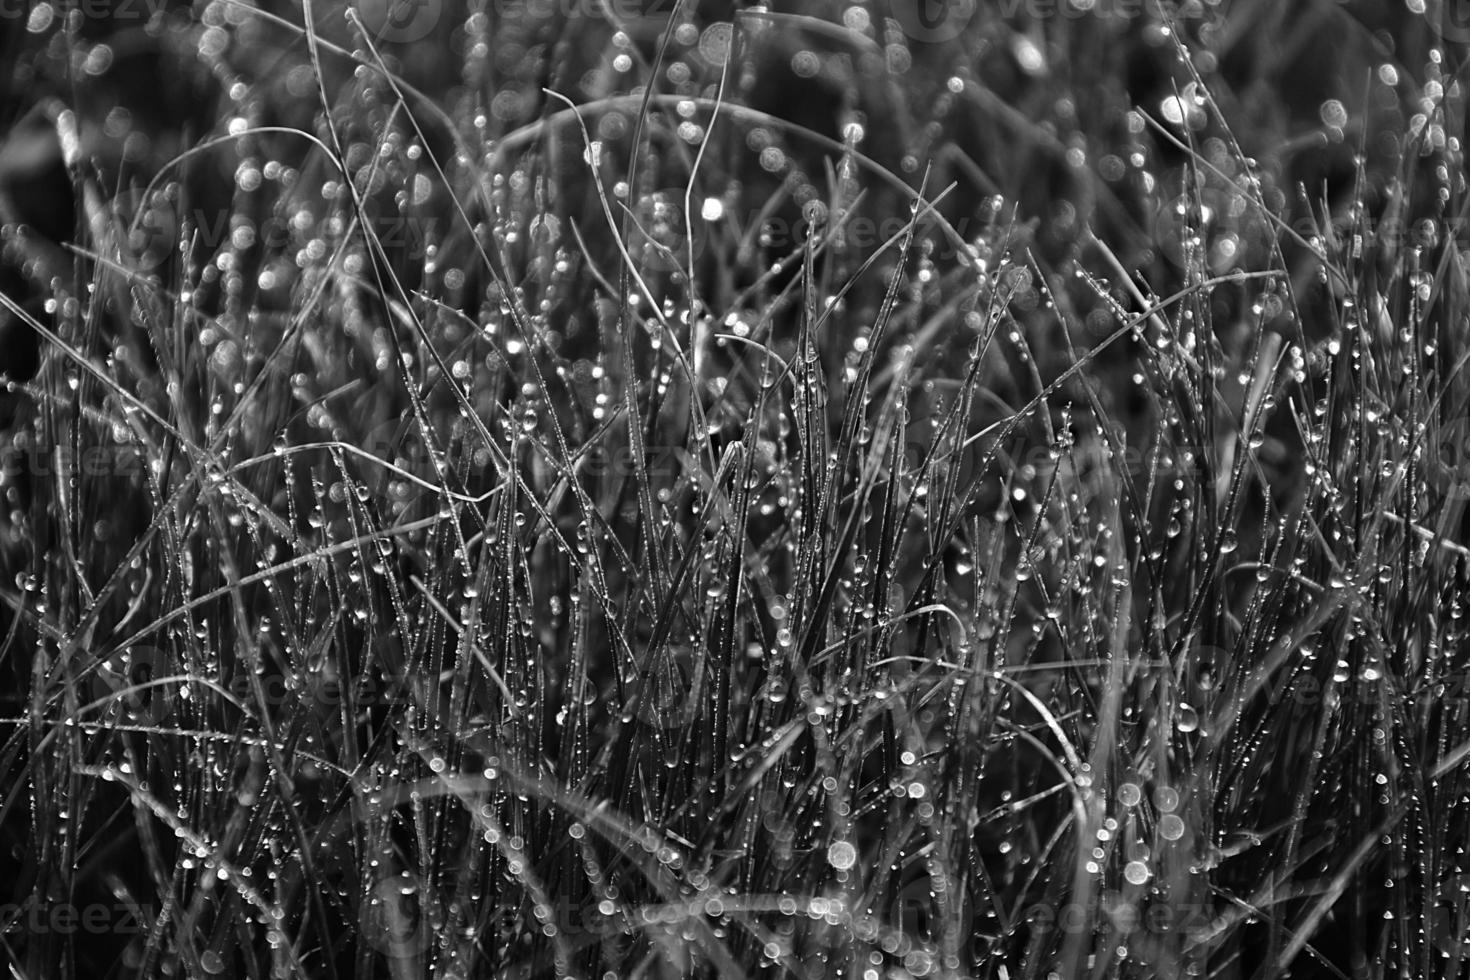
pixel 869 504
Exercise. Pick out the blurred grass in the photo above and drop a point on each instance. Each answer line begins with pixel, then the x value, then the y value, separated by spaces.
pixel 893 498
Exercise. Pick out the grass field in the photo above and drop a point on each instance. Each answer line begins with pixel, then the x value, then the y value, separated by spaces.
pixel 679 488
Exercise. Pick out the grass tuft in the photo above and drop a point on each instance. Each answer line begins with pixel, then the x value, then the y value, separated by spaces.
pixel 736 492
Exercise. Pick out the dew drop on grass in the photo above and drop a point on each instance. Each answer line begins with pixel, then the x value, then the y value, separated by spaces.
pixel 1334 114
pixel 714 43
pixel 1136 872
pixel 1129 794
pixel 841 855
pixel 1187 719
pixel 1171 827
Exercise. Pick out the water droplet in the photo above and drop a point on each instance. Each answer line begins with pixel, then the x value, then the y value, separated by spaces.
pixel 1171 827
pixel 841 855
